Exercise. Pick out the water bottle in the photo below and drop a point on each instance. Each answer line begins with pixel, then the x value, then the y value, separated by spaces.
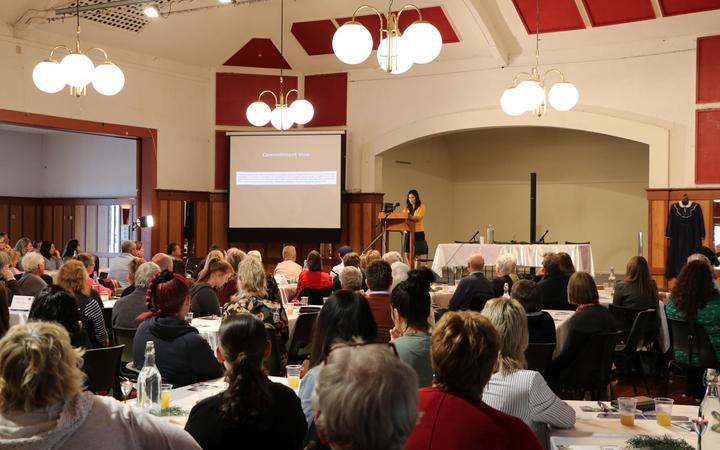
pixel 305 265
pixel 490 235
pixel 506 291
pixel 611 281
pixel 149 382
pixel 710 403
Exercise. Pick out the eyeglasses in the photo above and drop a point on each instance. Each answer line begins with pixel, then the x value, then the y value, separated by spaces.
pixel 360 344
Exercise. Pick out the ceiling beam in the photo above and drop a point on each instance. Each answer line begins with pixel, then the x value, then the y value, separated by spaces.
pixel 583 13
pixel 498 37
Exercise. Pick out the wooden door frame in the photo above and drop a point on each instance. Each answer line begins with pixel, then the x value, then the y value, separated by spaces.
pixel 146 159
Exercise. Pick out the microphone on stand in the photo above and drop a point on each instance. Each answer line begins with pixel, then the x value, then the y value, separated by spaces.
pixel 396 205
pixel 472 239
pixel 542 238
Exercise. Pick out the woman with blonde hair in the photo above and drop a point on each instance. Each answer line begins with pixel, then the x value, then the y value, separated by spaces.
pixel 42 403
pixel 216 273
pixel 132 268
pixel 72 277
pixel 227 291
pixel 512 389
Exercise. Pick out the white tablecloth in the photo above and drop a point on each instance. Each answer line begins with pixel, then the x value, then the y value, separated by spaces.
pixel 527 255
pixel 441 298
pixel 210 328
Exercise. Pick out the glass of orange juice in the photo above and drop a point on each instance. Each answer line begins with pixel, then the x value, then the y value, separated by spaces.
pixel 293 374
pixel 289 309
pixel 165 395
pixel 663 411
pixel 626 406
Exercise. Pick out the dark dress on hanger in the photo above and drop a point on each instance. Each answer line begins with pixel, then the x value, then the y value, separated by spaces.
pixel 686 230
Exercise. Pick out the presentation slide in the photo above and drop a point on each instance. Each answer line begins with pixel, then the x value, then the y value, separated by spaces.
pixel 286 180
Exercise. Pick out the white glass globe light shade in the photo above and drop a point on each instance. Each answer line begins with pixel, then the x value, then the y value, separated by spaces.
pixel 77 69
pixel 423 40
pixel 108 79
pixel 352 43
pixel 48 77
pixel 258 113
pixel 531 94
pixel 563 96
pixel 510 102
pixel 401 59
pixel 302 111
pixel 281 118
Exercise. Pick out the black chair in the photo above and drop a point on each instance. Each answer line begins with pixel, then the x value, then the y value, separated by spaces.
pixel 107 318
pixel 315 296
pixel 591 370
pixel 438 313
pixel 643 331
pixel 125 336
pixel 102 367
pixel 692 339
pixel 274 363
pixel 624 319
pixel 539 357
pixel 300 342
pixel 477 302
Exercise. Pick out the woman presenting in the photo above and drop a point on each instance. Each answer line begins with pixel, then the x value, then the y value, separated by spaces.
pixel 416 209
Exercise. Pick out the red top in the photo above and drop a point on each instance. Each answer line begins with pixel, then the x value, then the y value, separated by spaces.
pixel 380 307
pixel 449 422
pixel 312 279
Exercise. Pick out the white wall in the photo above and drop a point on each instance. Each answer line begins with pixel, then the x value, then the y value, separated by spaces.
pixel 67 165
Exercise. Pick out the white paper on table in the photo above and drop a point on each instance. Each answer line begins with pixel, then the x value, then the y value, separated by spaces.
pixel 21 302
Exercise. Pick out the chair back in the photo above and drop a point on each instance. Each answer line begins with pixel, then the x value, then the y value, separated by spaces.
pixel 624 317
pixel 107 318
pixel 102 367
pixel 439 313
pixel 192 264
pixel 591 370
pixel 644 329
pixel 274 363
pixel 539 356
pixel 125 336
pixel 692 339
pixel 477 302
pixel 300 342
pixel 315 296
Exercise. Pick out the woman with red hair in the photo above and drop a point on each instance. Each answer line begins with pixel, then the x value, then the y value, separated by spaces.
pixel 181 355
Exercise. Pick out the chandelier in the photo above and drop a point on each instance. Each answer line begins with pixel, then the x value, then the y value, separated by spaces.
pixel 77 70
pixel 397 52
pixel 282 117
pixel 529 95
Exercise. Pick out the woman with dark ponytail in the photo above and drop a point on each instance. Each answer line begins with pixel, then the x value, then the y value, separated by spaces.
pixel 254 412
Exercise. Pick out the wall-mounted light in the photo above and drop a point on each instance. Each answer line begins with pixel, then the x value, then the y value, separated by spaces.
pixel 144 222
pixel 151 11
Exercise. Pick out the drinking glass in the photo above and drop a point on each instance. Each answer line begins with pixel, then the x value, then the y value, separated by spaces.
pixel 189 317
pixel 289 309
pixel 293 374
pixel 304 301
pixel 126 388
pixel 165 395
pixel 626 406
pixel 663 411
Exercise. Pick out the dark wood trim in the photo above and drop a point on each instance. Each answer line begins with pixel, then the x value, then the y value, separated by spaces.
pixel 67 201
pixel 362 197
pixel 193 196
pixel 657 194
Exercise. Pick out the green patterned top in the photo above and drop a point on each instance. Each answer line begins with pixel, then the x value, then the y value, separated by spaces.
pixel 708 316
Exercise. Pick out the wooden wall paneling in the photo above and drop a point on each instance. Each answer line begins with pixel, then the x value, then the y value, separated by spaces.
pixel 91 220
pixel 5 217
pixel 355 232
pixel 163 224
pixel 47 222
pixel 103 228
pixel 175 221
pixel 68 223
pixel 707 210
pixel 79 228
pixel 202 227
pixel 219 220
pixel 29 222
pixel 368 226
pixel 16 219
pixel 657 241
pixel 57 226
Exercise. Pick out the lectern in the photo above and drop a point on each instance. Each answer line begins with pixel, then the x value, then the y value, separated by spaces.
pixel 398 222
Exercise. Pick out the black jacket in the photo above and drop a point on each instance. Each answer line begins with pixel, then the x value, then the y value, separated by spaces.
pixel 285 427
pixel 205 301
pixel 627 296
pixel 472 286
pixel 554 291
pixel 541 328
pixel 181 355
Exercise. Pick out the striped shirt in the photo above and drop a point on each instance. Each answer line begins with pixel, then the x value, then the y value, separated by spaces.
pixel 93 313
pixel 526 395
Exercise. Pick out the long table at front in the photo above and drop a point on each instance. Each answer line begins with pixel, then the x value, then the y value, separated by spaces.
pixel 531 255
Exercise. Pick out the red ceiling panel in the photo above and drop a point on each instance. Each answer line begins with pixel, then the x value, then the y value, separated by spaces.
pixel 676 7
pixel 603 12
pixel 707 146
pixel 234 92
pixel 328 94
pixel 315 36
pixel 708 69
pixel 222 160
pixel 371 22
pixel 258 52
pixel 555 15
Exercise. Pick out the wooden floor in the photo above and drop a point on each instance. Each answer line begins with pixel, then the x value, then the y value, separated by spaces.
pixel 623 387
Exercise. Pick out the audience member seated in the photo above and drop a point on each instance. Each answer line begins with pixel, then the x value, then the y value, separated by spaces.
pixel 215 250
pixel 88 261
pixel 350 259
pixel 14 260
pixel 342 251
pixel 119 265
pixel 474 288
pixel 176 253
pixel 4 241
pixel 181 355
pixel 695 298
pixel 133 265
pixel 411 336
pixel 566 264
pixel 23 246
pixel 225 293
pixel 392 257
pixel 7 276
pixel 590 319
pixel 378 276
pixel 541 326
pixel 554 284
pixel 31 282
pixel 313 277
pixel 261 413
pixel 506 271
pixel 346 315
pixel 42 403
pixel 369 257
pixel 253 299
pixel 71 250
pixel 513 390
pixel 126 312
pixel 205 301
pixel 72 277
pixel 367 399
pixel 55 304
pixel 139 251
pixel 163 261
pixel 4 309
pixel 273 292
pixel 453 416
pixel 638 290
pixel 350 279
pixel 288 268
pixel 399 273
pixel 51 255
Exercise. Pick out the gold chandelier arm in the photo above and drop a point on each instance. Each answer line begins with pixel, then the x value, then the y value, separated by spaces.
pixel 562 77
pixel 379 14
pixel 287 95
pixel 64 47
pixel 99 50
pixel 515 80
pixel 409 6
pixel 268 92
